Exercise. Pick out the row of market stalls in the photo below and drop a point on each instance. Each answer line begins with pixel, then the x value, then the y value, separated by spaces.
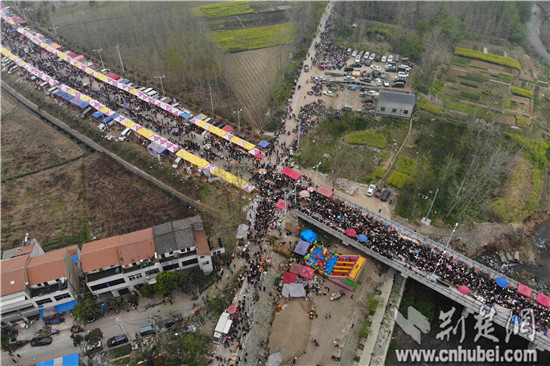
pixel 115 80
pixel 80 99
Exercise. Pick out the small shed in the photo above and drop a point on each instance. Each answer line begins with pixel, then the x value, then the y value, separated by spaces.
pixel 395 104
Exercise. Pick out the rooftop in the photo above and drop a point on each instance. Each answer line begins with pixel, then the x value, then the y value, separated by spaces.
pixel 396 97
pixel 201 242
pixel 100 254
pixel 136 246
pixel 13 275
pixel 176 235
pixel 48 266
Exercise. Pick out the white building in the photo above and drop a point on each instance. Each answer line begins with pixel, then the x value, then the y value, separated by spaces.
pixel 395 104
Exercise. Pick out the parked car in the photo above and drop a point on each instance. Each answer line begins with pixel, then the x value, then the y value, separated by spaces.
pixel 306 68
pixel 397 58
pixel 385 195
pixel 378 192
pixel 173 320
pixel 348 69
pixel 328 93
pixel 376 67
pixel 377 58
pixel 390 58
pixel 383 59
pixel 402 74
pixel 386 83
pixel 148 329
pixel 94 347
pixel 378 82
pixel 41 341
pixel 372 56
pixel 398 84
pixel 370 190
pixel 117 340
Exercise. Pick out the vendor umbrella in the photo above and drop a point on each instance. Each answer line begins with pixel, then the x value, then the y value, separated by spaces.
pixel 464 290
pixel 125 105
pixel 502 282
pixel 351 232
pixel 262 171
pixel 207 147
pixel 311 189
pixel 232 309
pixel 304 194
pixel 361 238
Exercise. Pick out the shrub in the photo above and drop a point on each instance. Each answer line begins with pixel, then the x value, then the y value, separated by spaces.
pixel 383 32
pixel 481 78
pixel 406 165
pixel 398 179
pixel 522 92
pixel 470 95
pixel 468 109
pixel 378 173
pixel 368 137
pixel 459 61
pixel 225 9
pixel 488 57
pixel 505 77
pixel 479 67
pixel 523 121
pixel 255 38
pixel 428 107
pixel 470 84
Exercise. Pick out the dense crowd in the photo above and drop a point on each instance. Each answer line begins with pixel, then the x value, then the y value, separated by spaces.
pixel 272 185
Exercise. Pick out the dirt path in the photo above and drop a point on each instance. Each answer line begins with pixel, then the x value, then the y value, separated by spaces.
pixel 394 156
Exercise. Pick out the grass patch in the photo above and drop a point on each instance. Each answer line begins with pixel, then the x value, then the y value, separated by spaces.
pixel 523 121
pixel 123 361
pixel 378 173
pixel 398 179
pixel 428 107
pixel 475 76
pixel 368 137
pixel 255 38
pixel 459 61
pixel 466 94
pixel 381 31
pixel 225 9
pixel 488 57
pixel 522 92
pixel 479 67
pixel 406 165
pixel 365 329
pixel 468 83
pixel 120 351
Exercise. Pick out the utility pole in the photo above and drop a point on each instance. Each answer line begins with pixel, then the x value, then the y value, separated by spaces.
pixel 54 29
pixel 316 167
pixel 299 130
pixel 433 201
pixel 239 119
pixel 98 50
pixel 211 100
pixel 160 77
pixel 120 58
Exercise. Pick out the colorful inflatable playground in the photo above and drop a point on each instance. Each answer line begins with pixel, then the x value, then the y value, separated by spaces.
pixel 344 270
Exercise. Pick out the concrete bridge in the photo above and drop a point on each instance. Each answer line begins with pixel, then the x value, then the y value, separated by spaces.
pixel 470 304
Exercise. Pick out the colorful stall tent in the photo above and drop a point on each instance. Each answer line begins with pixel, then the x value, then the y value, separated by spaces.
pixel 344 270
pixel 113 76
pixel 67 93
pixel 309 236
pixel 302 247
pixel 525 290
pixel 325 192
pixel 289 277
pixel 302 271
pixel 281 204
pixel 157 150
pixel 291 173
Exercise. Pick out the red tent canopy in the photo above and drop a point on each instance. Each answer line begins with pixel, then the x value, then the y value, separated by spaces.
pixel 324 191
pixel 113 76
pixel 543 299
pixel 525 290
pixel 281 204
pixel 302 271
pixel 289 277
pixel 227 128
pixel 291 173
pixel 464 290
pixel 351 232
pixel 259 156
pixel 71 54
pixel 80 58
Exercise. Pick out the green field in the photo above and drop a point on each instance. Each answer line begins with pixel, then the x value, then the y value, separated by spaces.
pixel 368 137
pixel 225 9
pixel 488 57
pixel 255 38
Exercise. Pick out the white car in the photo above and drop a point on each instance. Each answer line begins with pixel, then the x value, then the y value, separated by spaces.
pixel 367 54
pixel 328 93
pixel 372 56
pixel 383 59
pixel 378 82
pixel 376 67
pixel 402 74
pixel 349 78
pixel 390 58
pixel 386 83
pixel 370 190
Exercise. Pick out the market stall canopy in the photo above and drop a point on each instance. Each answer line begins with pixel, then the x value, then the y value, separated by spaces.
pixel 281 204
pixel 263 144
pixel 113 76
pixel 361 238
pixel 351 232
pixel 289 277
pixel 302 247
pixel 502 282
pixel 525 290
pixel 97 114
pixel 464 290
pixel 293 290
pixel 543 299
pixel 241 231
pixel 308 235
pixel 304 194
pixel 227 128
pixel 325 192
pixel 291 173
pixel 302 271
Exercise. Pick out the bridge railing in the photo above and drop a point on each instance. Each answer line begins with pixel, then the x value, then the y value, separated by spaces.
pixel 467 301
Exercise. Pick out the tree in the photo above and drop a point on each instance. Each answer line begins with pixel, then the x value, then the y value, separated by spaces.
pixel 147 290
pixel 133 299
pixel 86 310
pixel 90 339
pixel 186 281
pixel 166 283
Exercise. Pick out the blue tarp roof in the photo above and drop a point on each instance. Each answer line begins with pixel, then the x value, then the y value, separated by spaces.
pixel 65 307
pixel 69 360
pixel 97 114
pixel 185 115
pixel 124 81
pixel 75 258
pixel 62 94
pixel 49 41
pixel 107 120
pixel 263 144
pixel 308 235
pixel 116 115
pixel 80 103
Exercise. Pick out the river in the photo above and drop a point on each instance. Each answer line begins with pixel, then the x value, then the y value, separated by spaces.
pixel 533 32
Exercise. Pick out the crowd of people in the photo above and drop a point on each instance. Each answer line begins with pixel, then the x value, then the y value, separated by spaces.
pixel 272 185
